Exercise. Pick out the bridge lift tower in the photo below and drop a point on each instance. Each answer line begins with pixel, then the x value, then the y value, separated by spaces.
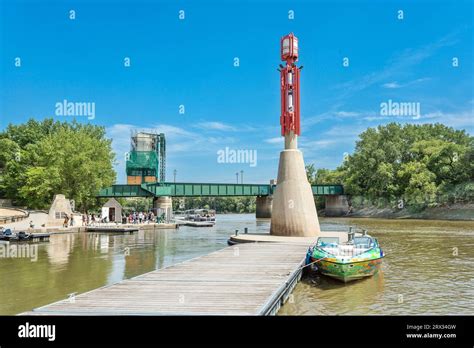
pixel 146 161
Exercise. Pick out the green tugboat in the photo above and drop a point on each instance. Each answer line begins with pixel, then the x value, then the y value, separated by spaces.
pixel 358 257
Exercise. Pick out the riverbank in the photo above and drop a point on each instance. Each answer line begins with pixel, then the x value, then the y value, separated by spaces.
pixel 460 212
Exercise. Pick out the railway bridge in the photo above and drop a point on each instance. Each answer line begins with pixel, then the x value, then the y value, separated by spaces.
pixel 163 192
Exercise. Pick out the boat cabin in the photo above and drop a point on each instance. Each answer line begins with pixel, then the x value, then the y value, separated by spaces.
pixel 353 247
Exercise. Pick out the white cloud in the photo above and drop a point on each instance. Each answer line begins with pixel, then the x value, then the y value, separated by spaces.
pixel 344 131
pixel 328 115
pixel 346 114
pixel 320 143
pixel 400 63
pixel 120 135
pixel 174 132
pixel 276 140
pixel 453 119
pixel 216 126
pixel 458 120
pixel 396 85
pixel 179 142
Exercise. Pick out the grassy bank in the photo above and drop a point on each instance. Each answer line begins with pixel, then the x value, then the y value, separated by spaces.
pixel 449 212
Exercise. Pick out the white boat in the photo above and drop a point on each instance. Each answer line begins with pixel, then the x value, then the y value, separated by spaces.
pixel 196 217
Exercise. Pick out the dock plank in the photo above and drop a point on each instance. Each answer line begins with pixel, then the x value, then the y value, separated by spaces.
pixel 244 279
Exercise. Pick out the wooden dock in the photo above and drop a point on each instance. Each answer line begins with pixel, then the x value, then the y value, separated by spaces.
pixel 112 229
pixel 40 237
pixel 245 279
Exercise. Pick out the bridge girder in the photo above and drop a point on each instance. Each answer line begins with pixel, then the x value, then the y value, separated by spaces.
pixel 205 190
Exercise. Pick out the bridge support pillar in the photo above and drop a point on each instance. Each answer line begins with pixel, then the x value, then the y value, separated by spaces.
pixel 294 212
pixel 264 207
pixel 336 205
pixel 163 207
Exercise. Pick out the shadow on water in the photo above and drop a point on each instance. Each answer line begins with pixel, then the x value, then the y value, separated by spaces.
pixel 428 269
pixel 79 262
pixel 420 274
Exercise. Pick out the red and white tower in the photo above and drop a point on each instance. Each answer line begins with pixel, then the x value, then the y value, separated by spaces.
pixel 293 209
pixel 290 91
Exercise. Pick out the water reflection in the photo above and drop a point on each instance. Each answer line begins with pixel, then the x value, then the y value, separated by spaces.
pixel 83 261
pixel 58 250
pixel 420 274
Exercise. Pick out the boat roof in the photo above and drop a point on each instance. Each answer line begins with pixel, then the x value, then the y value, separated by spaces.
pixel 200 210
pixel 342 235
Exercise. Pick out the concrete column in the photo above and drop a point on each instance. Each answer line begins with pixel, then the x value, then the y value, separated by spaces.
pixel 293 212
pixel 60 207
pixel 291 141
pixel 264 207
pixel 163 205
pixel 336 205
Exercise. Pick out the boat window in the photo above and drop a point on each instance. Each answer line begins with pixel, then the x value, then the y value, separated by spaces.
pixel 363 242
pixel 328 242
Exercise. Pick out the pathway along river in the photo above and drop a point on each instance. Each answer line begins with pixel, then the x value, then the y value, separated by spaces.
pixel 429 267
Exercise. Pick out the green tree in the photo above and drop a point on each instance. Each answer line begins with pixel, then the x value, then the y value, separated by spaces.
pixel 419 183
pixel 70 158
pixel 415 162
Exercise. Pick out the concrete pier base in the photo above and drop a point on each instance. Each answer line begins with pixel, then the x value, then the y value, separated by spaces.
pixel 264 207
pixel 293 212
pixel 336 205
pixel 60 208
pixel 163 205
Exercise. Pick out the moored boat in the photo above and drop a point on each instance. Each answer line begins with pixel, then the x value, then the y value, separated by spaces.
pixel 196 217
pixel 357 257
pixel 6 234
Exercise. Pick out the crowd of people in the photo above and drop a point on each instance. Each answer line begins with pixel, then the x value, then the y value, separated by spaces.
pixel 141 217
pixel 132 218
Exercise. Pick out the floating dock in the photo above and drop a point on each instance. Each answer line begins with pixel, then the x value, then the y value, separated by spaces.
pixel 112 229
pixel 34 237
pixel 245 279
pixel 195 223
pixel 40 237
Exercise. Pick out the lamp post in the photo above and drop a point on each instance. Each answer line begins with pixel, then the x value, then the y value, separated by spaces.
pixel 237 176
pixel 174 175
pixel 242 176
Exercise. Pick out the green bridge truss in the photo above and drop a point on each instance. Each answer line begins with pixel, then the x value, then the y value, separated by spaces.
pixel 204 190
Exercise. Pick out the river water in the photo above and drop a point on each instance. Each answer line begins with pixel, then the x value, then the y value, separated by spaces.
pixel 429 267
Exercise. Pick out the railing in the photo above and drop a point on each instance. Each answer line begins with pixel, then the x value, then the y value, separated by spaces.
pixel 208 190
pixel 204 190
pixel 14 218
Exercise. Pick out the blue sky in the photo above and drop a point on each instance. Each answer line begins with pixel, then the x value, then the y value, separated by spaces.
pixel 190 62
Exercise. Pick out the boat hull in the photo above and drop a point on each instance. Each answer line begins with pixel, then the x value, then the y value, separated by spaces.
pixel 349 271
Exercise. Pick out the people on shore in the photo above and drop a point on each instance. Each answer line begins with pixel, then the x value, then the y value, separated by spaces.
pixel 66 221
pixel 140 217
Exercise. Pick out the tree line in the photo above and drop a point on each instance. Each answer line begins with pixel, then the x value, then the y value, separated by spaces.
pixel 412 164
pixel 419 165
pixel 39 159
